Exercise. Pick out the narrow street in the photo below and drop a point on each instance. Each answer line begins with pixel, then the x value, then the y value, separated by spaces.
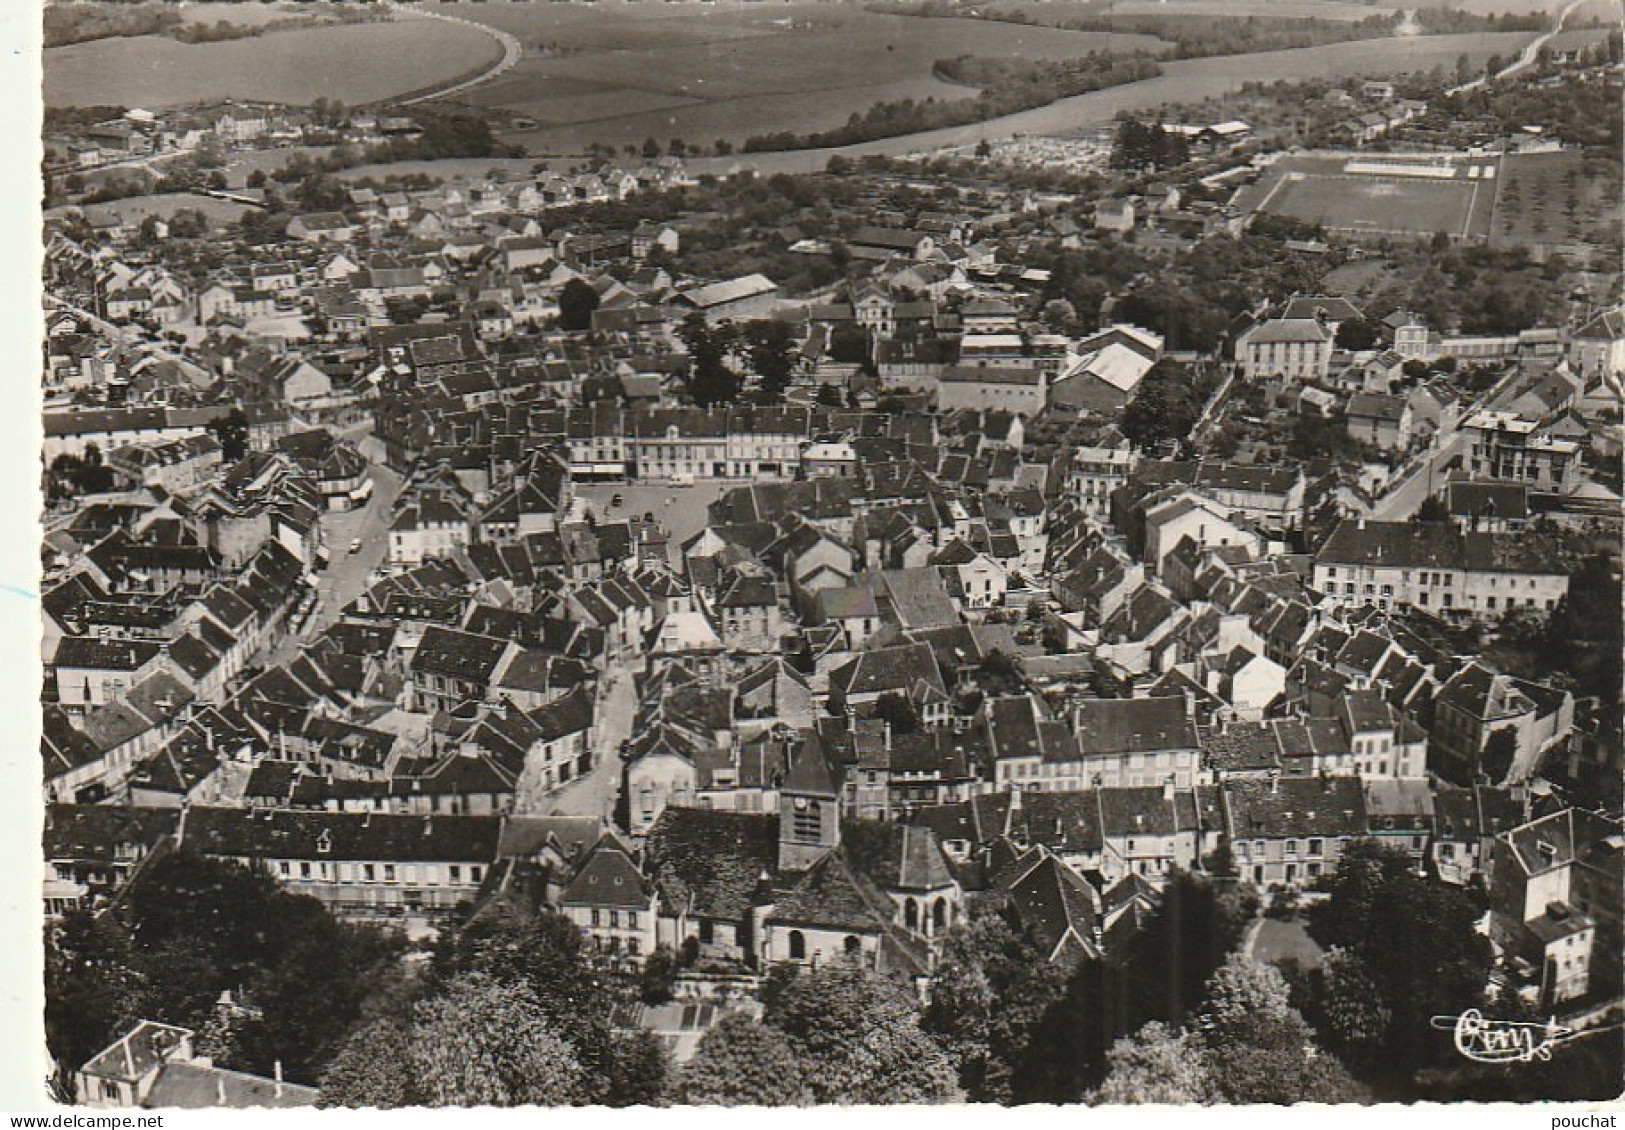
pixel 595 793
pixel 1406 499
pixel 345 577
pixel 1429 477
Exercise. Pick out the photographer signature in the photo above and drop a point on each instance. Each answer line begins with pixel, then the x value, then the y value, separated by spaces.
pixel 1486 1040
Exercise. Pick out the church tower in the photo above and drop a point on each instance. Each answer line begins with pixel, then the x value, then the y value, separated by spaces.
pixel 809 808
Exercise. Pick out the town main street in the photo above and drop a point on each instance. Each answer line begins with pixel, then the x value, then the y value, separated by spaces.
pixel 595 793
pixel 345 576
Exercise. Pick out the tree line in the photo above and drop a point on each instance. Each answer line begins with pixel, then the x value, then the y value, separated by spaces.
pixel 1188 38
pixel 507 1007
pixel 1008 86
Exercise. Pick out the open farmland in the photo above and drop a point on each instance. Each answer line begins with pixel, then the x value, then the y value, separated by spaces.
pixel 355 63
pixel 1554 198
pixel 134 209
pixel 244 15
pixel 625 73
pixel 1059 11
pixel 1373 197
pixel 1183 81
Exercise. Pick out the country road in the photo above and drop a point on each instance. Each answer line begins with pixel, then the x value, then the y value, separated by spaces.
pixel 512 52
pixel 1526 58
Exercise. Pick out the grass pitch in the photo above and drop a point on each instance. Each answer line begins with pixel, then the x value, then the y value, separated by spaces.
pixel 1324 190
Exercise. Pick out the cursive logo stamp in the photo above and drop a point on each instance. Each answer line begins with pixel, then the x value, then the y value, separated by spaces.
pixel 1483 1039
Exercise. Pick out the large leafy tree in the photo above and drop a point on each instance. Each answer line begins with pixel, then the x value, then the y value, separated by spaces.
pixel 1353 1016
pixel 1157 1064
pixel 1067 1047
pixel 743 1062
pixel 1165 405
pixel 1166 966
pixel 91 989
pixel 577 301
pixel 542 951
pixel 372 1068
pixel 1259 1049
pixel 989 1001
pixel 1382 913
pixel 710 379
pixel 192 927
pixel 862 1038
pixel 489 1043
pixel 477 1042
pixel 770 348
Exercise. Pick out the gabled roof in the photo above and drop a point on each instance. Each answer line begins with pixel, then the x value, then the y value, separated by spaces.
pixel 811 773
pixel 1295 806
pixel 710 862
pixel 1055 903
pixel 98 831
pixel 896 857
pixel 609 879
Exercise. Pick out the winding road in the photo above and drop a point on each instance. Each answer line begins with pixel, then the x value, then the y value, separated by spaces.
pixel 512 52
pixel 1526 58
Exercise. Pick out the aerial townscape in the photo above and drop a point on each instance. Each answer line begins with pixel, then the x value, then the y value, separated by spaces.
pixel 1080 563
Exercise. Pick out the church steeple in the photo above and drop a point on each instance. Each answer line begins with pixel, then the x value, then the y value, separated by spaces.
pixel 809 808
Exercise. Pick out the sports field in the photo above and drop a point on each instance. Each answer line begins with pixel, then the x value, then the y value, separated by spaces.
pixel 1380 197
pixel 1379 205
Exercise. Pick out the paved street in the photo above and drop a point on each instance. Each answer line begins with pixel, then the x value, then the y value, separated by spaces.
pixel 132 336
pixel 1429 478
pixel 594 794
pixel 345 577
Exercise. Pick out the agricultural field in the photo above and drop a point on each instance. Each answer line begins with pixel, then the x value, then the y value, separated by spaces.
pixel 134 209
pixel 355 63
pixel 1607 12
pixel 1185 82
pixel 1555 198
pixel 245 15
pixel 735 72
pixel 618 75
pixel 1357 200
pixel 1059 11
